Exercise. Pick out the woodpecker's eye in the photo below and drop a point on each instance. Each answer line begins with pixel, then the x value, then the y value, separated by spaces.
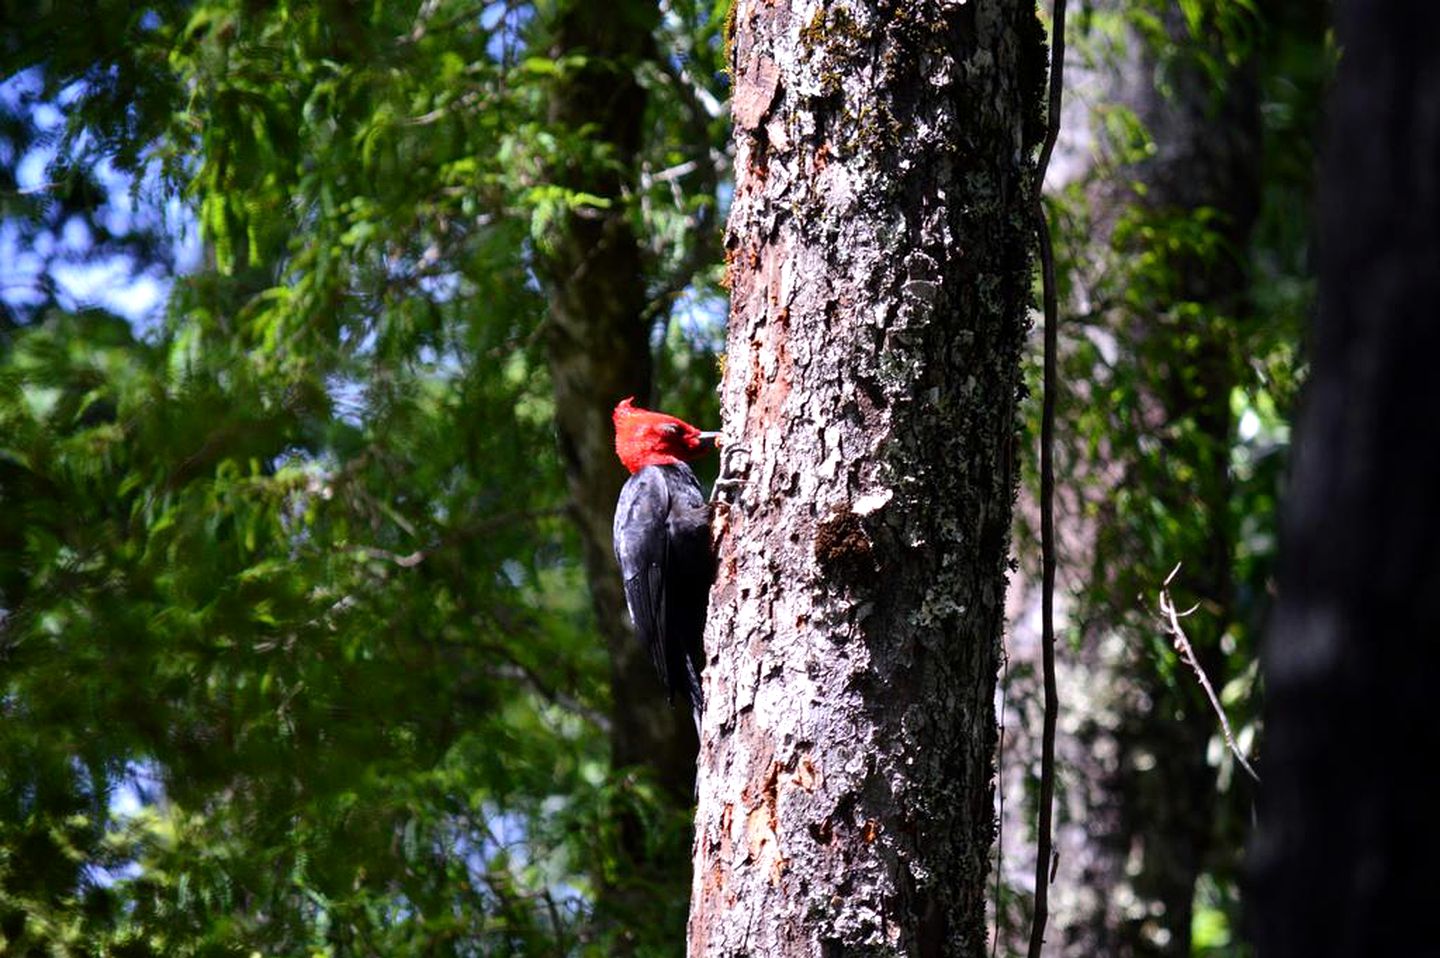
pixel 672 429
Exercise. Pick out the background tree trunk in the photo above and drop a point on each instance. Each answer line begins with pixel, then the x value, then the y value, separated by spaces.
pixel 1345 859
pixel 879 269
pixel 598 340
pixel 1136 811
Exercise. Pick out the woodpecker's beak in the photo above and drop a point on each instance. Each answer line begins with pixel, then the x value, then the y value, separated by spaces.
pixel 710 441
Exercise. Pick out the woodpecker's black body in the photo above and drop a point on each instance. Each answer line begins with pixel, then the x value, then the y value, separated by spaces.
pixel 662 541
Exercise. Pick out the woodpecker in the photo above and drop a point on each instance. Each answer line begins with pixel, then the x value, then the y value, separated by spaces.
pixel 662 542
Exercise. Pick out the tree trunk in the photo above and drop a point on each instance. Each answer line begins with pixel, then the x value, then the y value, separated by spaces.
pixel 598 341
pixel 880 276
pixel 1137 809
pixel 1345 862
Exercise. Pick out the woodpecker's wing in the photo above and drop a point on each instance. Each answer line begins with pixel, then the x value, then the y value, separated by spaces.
pixel 641 548
pixel 689 570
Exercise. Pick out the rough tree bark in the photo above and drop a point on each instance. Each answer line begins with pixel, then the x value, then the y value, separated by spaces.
pixel 598 340
pixel 880 278
pixel 1137 807
pixel 1345 861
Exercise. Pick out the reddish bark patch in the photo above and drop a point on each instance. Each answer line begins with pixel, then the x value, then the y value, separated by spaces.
pixel 755 90
pixel 712 870
pixel 727 818
pixel 752 384
pixel 719 525
pixel 763 293
pixel 771 790
pixel 757 164
pixel 821 159
pixel 822 831
pixel 762 827
pixel 760 835
pixel 806 774
pixel 772 276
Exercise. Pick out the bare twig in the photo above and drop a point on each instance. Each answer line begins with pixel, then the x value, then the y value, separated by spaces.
pixel 515 670
pixel 1044 866
pixel 456 536
pixel 707 171
pixel 422 19
pixel 408 561
pixel 1182 644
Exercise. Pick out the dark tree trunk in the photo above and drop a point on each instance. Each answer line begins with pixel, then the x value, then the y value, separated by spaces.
pixel 880 276
pixel 1345 861
pixel 599 352
pixel 1137 808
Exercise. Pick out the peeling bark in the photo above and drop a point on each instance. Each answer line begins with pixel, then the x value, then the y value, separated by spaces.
pixel 878 259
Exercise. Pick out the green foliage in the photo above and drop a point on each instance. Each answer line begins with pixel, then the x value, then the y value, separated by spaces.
pixel 294 642
pixel 345 671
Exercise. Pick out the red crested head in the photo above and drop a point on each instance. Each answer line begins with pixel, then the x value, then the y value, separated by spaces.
pixel 644 438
